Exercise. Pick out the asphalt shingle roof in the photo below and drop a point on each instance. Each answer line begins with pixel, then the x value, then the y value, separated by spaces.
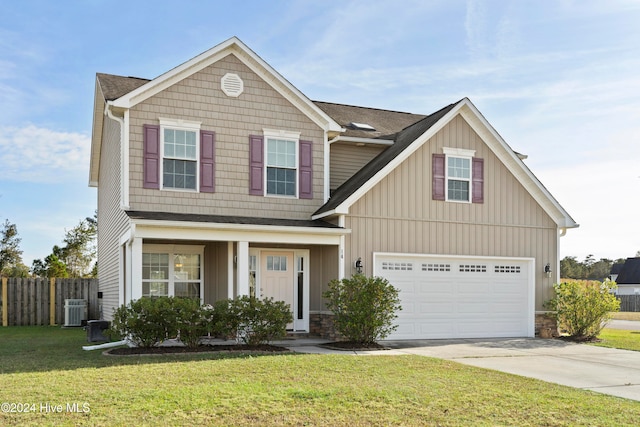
pixel 113 87
pixel 403 140
pixel 222 219
pixel 630 272
pixel 385 122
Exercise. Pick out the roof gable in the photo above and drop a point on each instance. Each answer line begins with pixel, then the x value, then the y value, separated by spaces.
pixel 630 272
pixel 411 138
pixel 232 46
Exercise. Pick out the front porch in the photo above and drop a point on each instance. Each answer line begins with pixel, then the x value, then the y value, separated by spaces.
pixel 214 260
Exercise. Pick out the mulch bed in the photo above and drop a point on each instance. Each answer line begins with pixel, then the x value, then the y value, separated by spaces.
pixel 353 346
pixel 578 339
pixel 240 348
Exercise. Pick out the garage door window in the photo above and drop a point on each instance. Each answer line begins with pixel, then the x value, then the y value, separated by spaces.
pixel 436 267
pixel 473 268
pixel 398 266
pixel 513 269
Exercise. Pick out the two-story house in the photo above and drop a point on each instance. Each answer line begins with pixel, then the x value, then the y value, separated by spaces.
pixel 219 178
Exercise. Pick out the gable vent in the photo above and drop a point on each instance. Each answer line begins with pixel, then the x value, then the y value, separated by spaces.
pixel 232 85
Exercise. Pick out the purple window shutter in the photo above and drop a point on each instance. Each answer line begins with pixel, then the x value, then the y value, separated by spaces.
pixel 256 165
pixel 207 161
pixel 439 179
pixel 305 171
pixel 477 180
pixel 151 162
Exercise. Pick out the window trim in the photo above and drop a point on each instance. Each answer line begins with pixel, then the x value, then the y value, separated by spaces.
pixel 286 136
pixel 458 153
pixel 173 250
pixel 185 125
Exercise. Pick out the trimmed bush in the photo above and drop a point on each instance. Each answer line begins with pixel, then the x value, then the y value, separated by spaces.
pixel 583 308
pixel 190 320
pixel 149 321
pixel 146 321
pixel 260 320
pixel 364 308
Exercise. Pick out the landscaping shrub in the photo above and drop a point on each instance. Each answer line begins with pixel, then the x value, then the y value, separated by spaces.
pixel 260 320
pixel 364 308
pixel 146 321
pixel 222 320
pixel 190 320
pixel 583 308
pixel 149 321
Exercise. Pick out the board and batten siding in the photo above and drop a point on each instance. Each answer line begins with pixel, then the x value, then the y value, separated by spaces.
pixel 347 159
pixel 112 219
pixel 399 215
pixel 199 98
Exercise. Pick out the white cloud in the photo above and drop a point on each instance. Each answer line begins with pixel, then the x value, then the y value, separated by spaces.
pixel 36 154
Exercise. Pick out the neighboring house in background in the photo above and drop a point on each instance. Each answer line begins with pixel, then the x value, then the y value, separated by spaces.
pixel 615 271
pixel 628 278
pixel 219 178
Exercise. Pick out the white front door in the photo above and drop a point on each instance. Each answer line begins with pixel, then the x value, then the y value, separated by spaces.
pixel 277 278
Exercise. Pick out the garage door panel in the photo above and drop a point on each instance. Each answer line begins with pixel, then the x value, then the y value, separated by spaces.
pixel 459 298
pixel 436 308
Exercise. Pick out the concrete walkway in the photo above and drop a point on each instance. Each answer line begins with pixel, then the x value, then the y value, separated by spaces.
pixel 603 370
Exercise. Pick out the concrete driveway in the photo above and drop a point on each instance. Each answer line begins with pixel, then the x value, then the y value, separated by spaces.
pixel 603 370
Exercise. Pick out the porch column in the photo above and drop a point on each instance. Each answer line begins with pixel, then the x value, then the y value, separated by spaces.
pixel 243 268
pixel 230 270
pixel 341 249
pixel 134 290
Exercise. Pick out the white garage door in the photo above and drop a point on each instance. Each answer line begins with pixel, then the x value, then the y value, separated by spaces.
pixel 460 297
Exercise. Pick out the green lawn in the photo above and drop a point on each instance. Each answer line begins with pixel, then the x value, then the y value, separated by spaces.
pixel 626 315
pixel 618 338
pixel 40 366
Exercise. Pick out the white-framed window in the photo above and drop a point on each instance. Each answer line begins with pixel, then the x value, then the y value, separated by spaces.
pixel 281 168
pixel 458 174
pixel 172 270
pixel 180 143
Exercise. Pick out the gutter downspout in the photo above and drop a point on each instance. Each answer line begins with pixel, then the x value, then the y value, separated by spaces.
pixel 124 154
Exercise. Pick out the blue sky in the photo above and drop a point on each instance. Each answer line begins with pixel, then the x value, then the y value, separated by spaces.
pixel 559 80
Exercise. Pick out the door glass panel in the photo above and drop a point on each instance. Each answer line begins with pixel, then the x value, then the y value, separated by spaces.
pixel 276 263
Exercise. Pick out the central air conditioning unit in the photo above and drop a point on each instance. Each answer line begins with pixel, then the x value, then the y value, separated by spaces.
pixel 75 311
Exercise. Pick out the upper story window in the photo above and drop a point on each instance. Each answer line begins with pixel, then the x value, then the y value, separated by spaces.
pixel 458 174
pixel 281 167
pixel 179 154
pixel 179 163
pixel 458 178
pixel 280 164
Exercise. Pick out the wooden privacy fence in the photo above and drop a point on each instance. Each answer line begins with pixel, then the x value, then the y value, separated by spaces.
pixel 31 302
pixel 629 302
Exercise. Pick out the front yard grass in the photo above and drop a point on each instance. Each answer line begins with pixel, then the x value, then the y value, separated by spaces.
pixel 619 338
pixel 43 366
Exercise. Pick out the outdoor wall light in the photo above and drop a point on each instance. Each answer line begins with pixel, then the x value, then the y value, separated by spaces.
pixel 358 265
pixel 547 270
